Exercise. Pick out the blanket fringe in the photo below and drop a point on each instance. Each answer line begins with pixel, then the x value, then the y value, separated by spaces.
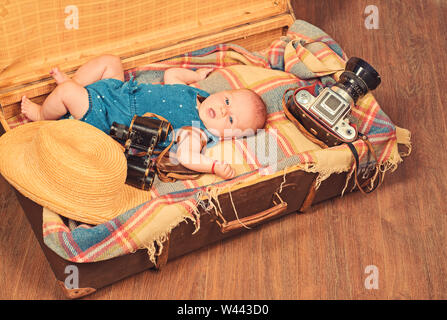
pixel 154 246
pixel 323 174
pixel 235 211
pixel 404 138
pixel 348 178
pixel 212 195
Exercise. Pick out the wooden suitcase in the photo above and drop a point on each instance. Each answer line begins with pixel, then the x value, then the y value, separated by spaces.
pixel 140 37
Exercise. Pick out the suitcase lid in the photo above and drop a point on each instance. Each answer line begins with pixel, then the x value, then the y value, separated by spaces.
pixel 37 35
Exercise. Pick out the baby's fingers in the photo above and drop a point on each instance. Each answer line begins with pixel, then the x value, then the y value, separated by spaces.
pixel 229 172
pixel 232 173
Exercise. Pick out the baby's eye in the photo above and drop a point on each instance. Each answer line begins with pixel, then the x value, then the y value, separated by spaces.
pixel 227 101
pixel 230 118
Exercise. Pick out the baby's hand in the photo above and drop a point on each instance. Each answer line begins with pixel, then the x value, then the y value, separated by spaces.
pixel 203 72
pixel 224 170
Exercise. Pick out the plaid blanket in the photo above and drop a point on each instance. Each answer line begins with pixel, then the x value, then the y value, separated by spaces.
pixel 305 56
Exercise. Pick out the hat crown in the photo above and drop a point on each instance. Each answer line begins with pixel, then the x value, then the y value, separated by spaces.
pixel 83 162
pixel 71 168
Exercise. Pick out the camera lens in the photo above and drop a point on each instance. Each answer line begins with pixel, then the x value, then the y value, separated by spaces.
pixel 358 78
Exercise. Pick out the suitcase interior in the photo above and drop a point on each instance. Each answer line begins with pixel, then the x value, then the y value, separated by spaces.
pixel 175 28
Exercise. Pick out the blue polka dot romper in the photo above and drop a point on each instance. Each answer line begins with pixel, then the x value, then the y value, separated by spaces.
pixel 112 100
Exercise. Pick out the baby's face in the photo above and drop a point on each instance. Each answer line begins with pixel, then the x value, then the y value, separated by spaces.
pixel 228 113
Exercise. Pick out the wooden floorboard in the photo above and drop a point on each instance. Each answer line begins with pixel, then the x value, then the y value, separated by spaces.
pixel 322 254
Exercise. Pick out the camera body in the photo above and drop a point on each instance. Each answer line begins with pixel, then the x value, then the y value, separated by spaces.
pixel 331 108
pixel 140 140
pixel 327 115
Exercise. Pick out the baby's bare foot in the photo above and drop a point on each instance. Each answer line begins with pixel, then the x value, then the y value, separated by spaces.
pixel 31 110
pixel 59 76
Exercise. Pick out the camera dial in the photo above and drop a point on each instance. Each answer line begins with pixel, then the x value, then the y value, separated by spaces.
pixel 304 98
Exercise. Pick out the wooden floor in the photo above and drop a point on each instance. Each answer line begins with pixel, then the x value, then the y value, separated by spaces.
pixel 400 229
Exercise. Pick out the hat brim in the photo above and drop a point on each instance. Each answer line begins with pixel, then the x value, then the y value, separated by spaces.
pixel 26 178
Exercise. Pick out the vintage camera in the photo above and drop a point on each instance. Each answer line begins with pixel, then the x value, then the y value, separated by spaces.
pixel 326 116
pixel 140 140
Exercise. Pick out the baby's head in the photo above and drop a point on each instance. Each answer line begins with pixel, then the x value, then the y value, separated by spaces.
pixel 233 113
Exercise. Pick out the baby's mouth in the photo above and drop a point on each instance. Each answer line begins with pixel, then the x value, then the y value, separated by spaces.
pixel 211 113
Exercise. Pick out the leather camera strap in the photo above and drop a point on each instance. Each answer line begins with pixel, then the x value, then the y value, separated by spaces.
pixel 354 152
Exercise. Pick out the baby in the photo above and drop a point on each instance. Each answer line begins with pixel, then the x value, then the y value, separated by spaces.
pixel 97 94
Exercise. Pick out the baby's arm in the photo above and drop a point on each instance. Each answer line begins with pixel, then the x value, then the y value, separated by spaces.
pixel 188 154
pixel 185 76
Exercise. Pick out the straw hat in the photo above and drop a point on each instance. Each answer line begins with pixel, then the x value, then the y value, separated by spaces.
pixel 69 167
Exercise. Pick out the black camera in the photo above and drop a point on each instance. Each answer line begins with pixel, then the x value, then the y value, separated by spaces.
pixel 326 116
pixel 140 140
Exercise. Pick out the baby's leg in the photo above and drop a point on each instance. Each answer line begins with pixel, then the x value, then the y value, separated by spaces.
pixel 69 96
pixel 102 67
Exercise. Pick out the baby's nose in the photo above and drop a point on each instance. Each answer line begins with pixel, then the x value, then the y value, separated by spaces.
pixel 223 111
